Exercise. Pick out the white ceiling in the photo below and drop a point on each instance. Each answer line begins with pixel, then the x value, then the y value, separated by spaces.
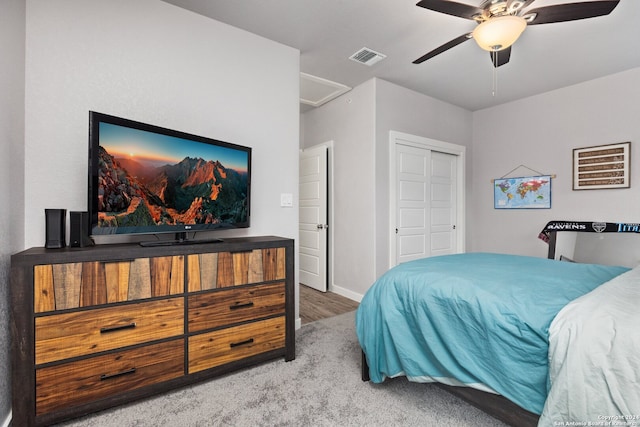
pixel 327 32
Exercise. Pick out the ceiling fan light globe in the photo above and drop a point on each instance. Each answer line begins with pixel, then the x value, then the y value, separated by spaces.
pixel 499 33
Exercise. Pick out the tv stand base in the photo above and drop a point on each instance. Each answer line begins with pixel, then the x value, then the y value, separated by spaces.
pixel 181 239
pixel 153 243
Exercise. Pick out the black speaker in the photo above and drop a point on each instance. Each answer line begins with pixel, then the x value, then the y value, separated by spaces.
pixel 55 221
pixel 79 233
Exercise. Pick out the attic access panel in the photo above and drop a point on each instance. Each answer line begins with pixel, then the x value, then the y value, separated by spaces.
pixel 316 91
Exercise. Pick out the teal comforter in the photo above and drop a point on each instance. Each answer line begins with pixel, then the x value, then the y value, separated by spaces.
pixel 476 319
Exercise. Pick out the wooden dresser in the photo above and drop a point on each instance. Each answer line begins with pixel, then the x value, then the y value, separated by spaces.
pixel 97 327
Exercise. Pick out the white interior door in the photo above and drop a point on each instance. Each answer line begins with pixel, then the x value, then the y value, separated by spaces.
pixel 313 226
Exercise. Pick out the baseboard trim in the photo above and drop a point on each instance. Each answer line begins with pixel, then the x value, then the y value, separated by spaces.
pixel 346 293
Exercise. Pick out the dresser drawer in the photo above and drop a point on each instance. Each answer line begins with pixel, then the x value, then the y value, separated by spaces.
pixel 228 345
pixel 223 269
pixel 85 284
pixel 66 335
pixel 221 308
pixel 75 383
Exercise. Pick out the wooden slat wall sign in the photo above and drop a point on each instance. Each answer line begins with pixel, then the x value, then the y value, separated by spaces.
pixel 602 167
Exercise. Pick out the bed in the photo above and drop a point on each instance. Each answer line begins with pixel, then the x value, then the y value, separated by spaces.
pixel 506 332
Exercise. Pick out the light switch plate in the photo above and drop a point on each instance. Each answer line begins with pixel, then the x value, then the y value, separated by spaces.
pixel 286 200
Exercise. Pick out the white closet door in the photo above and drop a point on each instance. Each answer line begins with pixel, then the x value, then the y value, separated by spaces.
pixel 443 204
pixel 426 203
pixel 413 169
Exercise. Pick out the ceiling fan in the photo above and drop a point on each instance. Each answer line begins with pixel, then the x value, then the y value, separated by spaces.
pixel 500 22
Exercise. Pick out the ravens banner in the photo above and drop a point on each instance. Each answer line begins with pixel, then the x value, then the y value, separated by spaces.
pixel 589 227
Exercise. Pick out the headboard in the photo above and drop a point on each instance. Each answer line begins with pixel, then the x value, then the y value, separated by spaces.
pixel 604 243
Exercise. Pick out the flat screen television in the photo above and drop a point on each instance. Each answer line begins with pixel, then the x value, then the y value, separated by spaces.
pixel 146 179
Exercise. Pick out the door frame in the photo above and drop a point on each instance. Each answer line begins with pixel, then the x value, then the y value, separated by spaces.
pixel 396 138
pixel 330 205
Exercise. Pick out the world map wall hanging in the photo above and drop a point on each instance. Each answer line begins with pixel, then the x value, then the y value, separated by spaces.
pixel 529 192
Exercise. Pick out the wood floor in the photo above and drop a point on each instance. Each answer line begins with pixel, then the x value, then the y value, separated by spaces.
pixel 316 305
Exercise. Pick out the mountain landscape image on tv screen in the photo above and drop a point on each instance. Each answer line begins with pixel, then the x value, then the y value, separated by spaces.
pixel 147 179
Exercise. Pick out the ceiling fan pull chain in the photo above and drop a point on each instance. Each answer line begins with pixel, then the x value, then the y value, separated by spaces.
pixel 494 88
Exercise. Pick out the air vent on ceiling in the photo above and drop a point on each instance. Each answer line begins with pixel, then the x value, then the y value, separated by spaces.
pixel 367 56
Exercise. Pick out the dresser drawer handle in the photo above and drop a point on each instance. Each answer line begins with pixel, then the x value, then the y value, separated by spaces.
pixel 104 377
pixel 117 328
pixel 241 251
pixel 238 305
pixel 116 261
pixel 237 344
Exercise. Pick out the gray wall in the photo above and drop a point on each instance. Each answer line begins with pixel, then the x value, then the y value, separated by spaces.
pixel 12 49
pixel 403 110
pixel 349 121
pixel 538 132
pixel 541 132
pixel 358 123
pixel 153 62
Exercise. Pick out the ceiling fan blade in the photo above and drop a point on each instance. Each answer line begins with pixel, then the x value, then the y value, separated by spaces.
pixel 571 11
pixel 500 57
pixel 444 47
pixel 451 8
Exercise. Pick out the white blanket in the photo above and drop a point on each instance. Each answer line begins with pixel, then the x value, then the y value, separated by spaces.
pixel 594 357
